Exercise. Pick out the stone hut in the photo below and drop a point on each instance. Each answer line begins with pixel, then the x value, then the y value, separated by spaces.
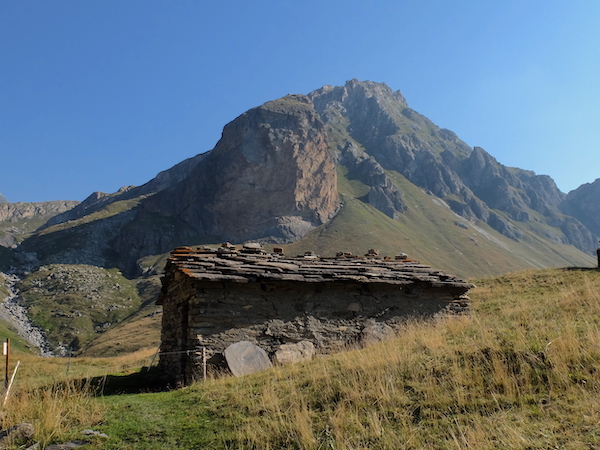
pixel 213 298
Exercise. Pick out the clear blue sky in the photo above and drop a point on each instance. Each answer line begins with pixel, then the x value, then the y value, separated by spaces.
pixel 97 95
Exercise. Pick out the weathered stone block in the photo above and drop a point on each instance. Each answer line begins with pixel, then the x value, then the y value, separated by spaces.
pixel 376 332
pixel 292 353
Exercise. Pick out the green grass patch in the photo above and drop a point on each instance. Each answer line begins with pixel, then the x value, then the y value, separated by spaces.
pixel 7 331
pixel 139 331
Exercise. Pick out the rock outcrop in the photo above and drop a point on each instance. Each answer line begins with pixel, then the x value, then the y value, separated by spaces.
pixel 275 173
pixel 383 194
pixel 582 203
pixel 271 177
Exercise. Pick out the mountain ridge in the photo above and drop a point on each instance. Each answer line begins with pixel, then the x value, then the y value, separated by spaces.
pixel 272 178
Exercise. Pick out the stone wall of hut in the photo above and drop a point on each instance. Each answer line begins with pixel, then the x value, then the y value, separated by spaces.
pixel 333 315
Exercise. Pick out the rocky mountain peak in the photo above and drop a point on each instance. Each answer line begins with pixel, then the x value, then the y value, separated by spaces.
pixel 358 91
pixel 3 199
pixel 367 89
pixel 273 177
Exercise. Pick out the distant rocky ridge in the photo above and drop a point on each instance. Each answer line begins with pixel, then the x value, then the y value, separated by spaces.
pixel 471 181
pixel 97 200
pixel 21 212
pixel 583 204
pixel 274 177
pixel 20 219
pixel 3 199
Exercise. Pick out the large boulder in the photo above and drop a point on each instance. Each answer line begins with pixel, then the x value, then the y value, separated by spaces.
pixel 244 358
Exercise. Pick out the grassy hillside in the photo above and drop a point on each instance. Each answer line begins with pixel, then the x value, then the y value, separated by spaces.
pixel 16 342
pixel 141 330
pixel 75 303
pixel 429 231
pixel 522 371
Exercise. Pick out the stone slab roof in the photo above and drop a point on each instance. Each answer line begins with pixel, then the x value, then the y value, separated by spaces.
pixel 252 264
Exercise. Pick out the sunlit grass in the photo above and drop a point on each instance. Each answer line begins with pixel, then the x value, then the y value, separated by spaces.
pixel 57 395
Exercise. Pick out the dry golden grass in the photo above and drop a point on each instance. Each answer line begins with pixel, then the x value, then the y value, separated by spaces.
pixel 56 410
pixel 523 371
pixel 57 396
pixel 127 337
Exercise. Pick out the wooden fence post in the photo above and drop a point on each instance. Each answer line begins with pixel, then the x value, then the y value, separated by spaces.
pixel 7 353
pixel 7 391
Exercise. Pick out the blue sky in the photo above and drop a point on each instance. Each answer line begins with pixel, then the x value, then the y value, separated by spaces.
pixel 97 95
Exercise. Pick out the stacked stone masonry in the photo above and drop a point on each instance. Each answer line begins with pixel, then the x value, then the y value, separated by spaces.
pixel 215 297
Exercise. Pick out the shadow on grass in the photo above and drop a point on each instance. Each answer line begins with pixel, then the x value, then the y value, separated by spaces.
pixel 140 382
pixel 583 269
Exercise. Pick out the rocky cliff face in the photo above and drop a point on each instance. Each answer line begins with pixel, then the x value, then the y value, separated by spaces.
pixel 582 203
pixel 275 173
pixel 271 177
pixel 18 219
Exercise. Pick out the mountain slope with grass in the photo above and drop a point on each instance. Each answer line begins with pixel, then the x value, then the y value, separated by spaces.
pixel 75 303
pixel 431 232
